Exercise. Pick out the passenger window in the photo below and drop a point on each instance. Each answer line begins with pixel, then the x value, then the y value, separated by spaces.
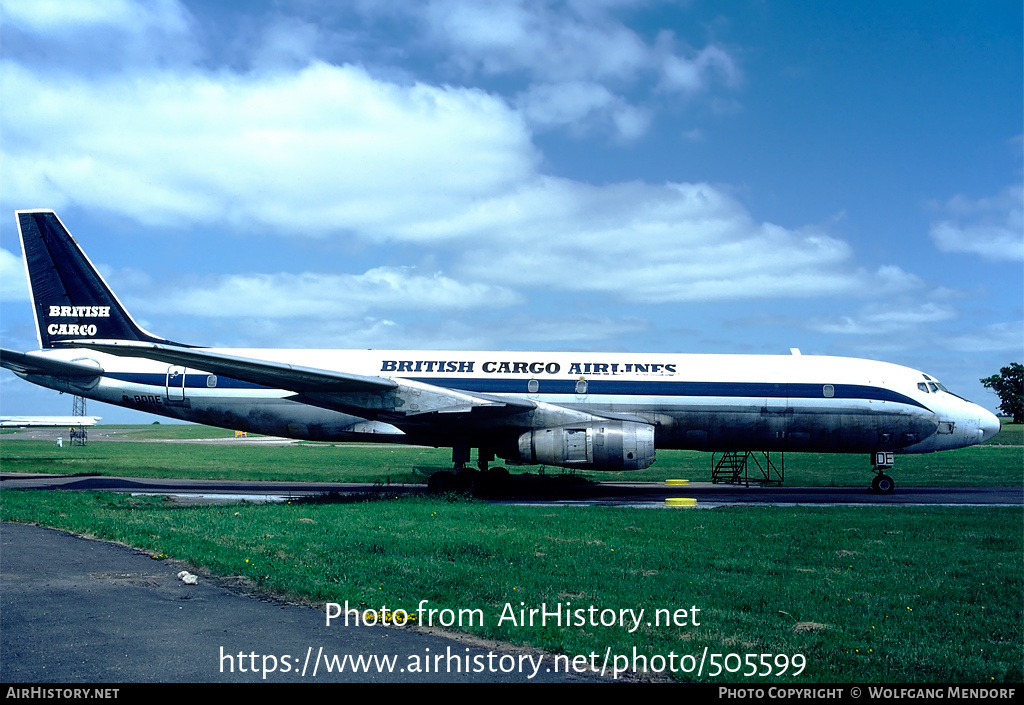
pixel 581 387
pixel 828 391
pixel 532 386
pixel 211 381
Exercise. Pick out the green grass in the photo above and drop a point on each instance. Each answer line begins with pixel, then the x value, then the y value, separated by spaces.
pixel 157 431
pixel 979 466
pixel 989 465
pixel 910 594
pixel 300 462
pixel 1009 435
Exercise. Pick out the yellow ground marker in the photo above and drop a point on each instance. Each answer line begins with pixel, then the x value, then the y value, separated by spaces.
pixel 677 482
pixel 680 502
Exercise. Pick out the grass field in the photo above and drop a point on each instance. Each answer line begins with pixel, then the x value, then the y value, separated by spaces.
pixel 863 594
pixel 869 594
pixel 1000 462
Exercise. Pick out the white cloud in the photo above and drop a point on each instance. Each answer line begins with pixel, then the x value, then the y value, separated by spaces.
pixel 570 42
pixel 327 149
pixel 574 330
pixel 98 35
pixel 287 43
pixel 539 38
pixel 328 296
pixel 693 75
pixel 886 319
pixel 564 103
pixel 657 244
pixel 582 106
pixel 990 227
pixel 59 16
pixel 996 337
pixel 13 285
pixel 580 60
pixel 320 149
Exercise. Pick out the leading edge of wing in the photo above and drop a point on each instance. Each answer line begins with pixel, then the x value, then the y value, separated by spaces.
pixel 276 375
pixel 328 388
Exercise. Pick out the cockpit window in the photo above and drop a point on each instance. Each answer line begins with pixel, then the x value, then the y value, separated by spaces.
pixel 933 384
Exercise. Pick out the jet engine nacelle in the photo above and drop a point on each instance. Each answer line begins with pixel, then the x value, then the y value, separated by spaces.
pixel 612 445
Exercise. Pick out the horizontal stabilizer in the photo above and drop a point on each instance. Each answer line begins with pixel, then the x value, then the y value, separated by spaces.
pixel 33 363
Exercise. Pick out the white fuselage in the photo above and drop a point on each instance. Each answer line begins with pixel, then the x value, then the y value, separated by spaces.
pixel 702 402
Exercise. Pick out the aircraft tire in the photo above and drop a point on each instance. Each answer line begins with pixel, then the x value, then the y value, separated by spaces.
pixel 441 482
pixel 491 484
pixel 466 478
pixel 883 484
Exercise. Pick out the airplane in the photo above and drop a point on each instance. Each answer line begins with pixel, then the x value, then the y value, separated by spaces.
pixel 596 411
pixel 49 421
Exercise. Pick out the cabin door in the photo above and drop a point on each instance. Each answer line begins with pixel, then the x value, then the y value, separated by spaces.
pixel 175 384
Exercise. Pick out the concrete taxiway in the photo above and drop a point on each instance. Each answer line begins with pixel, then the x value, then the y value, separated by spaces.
pixel 604 493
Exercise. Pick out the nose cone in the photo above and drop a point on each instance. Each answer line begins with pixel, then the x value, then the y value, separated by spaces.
pixel 988 424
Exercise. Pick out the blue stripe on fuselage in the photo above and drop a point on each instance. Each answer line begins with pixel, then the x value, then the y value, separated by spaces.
pixel 159 379
pixel 665 388
pixel 662 388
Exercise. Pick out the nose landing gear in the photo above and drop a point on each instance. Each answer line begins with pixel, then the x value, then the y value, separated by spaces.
pixel 882 461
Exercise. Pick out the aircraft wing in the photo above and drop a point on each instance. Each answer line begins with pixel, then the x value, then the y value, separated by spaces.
pixel 365 396
pixel 48 421
pixel 278 375
pixel 31 363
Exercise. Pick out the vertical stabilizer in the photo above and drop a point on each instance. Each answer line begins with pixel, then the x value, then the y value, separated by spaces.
pixel 70 300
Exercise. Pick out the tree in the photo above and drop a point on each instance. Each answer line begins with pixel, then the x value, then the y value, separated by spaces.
pixel 1009 385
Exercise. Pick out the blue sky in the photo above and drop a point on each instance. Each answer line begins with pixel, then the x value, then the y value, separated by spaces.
pixel 740 177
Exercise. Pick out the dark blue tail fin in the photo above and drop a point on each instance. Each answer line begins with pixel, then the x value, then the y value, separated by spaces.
pixel 70 300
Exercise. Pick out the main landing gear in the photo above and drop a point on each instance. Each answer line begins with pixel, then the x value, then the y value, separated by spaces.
pixel 480 480
pixel 882 461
